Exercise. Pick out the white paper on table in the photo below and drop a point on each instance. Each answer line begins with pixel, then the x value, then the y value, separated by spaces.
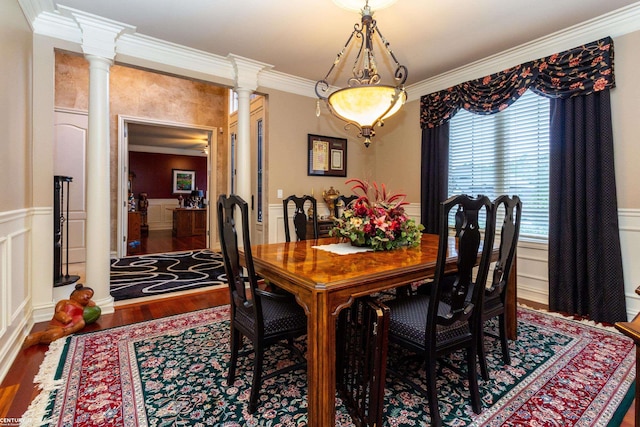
pixel 342 248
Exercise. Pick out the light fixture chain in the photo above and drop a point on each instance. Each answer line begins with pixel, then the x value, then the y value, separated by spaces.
pixel 403 73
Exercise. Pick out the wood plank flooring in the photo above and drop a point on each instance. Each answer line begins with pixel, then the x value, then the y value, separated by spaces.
pixel 160 241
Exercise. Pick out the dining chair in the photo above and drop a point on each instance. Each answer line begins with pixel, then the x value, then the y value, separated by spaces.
pixel 445 320
pixel 264 318
pixel 341 203
pixel 361 359
pixel 494 304
pixel 300 217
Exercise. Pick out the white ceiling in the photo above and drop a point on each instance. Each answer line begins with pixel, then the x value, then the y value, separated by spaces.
pixel 303 37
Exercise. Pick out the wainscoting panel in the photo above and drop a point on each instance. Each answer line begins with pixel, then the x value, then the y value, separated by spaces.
pixel 533 271
pixel 160 213
pixel 629 221
pixel 276 224
pixel 19 291
pixel 5 307
pixel 15 284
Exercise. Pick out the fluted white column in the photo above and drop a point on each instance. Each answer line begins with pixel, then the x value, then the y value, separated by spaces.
pixel 243 142
pixel 99 39
pixel 246 82
pixel 98 178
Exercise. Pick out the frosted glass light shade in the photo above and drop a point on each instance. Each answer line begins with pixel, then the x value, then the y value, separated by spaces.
pixel 366 105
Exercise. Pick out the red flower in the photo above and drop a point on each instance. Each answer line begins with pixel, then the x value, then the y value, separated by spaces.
pixel 369 229
pixel 600 84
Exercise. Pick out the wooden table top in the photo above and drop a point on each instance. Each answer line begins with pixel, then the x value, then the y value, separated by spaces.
pixel 316 269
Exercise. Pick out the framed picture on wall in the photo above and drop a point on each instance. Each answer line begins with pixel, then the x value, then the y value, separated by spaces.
pixel 184 181
pixel 327 156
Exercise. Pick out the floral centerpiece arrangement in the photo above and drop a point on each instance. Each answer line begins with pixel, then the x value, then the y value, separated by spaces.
pixel 376 219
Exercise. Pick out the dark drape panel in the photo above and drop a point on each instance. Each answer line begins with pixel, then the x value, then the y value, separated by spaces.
pixel 434 174
pixel 569 78
pixel 580 71
pixel 585 260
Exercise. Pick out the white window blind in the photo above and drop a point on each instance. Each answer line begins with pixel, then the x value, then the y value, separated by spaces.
pixel 505 153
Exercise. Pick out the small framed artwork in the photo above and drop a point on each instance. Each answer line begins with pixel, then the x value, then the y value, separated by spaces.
pixel 184 181
pixel 327 156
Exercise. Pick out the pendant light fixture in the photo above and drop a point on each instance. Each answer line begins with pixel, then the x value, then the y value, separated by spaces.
pixel 365 102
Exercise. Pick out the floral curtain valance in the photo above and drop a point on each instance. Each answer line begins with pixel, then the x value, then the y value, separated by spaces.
pixel 579 71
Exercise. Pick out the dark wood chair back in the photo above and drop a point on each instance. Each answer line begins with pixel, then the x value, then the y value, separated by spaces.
pixel 457 297
pixel 242 297
pixel 448 317
pixel 495 296
pixel 300 217
pixel 263 317
pixel 510 209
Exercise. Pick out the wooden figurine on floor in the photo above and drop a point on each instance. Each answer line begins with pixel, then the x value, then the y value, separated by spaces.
pixel 70 316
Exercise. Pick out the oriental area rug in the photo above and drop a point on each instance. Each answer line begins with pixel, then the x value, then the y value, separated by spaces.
pixel 171 372
pixel 154 274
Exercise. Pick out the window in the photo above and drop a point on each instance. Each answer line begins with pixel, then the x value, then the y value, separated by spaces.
pixel 233 100
pixel 260 170
pixel 505 153
pixel 233 163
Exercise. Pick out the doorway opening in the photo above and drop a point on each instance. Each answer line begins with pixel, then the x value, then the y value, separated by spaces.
pixel 162 168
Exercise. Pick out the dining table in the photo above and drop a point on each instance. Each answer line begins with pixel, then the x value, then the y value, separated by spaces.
pixel 327 275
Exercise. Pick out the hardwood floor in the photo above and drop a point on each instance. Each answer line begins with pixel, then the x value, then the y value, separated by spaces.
pixel 159 241
pixel 17 389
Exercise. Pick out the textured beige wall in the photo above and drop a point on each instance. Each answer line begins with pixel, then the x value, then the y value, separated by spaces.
pixel 290 119
pixel 144 94
pixel 15 108
pixel 398 152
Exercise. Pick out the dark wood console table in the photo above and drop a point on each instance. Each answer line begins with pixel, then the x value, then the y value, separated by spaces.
pixel 324 226
pixel 189 222
pixel 133 232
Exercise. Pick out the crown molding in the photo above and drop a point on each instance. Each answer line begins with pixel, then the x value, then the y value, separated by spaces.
pixel 174 55
pixel 287 83
pixel 99 36
pixel 46 20
pixel 247 71
pixel 32 8
pixel 53 24
pixel 619 22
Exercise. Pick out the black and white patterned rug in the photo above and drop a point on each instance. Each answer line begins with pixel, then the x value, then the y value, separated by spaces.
pixel 155 274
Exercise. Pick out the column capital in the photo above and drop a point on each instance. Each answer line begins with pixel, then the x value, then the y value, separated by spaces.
pixel 99 61
pixel 246 72
pixel 99 35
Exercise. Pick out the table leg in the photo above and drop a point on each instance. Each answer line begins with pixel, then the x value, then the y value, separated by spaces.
pixel 321 361
pixel 511 304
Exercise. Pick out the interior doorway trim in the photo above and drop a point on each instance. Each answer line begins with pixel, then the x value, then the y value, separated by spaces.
pixel 123 175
